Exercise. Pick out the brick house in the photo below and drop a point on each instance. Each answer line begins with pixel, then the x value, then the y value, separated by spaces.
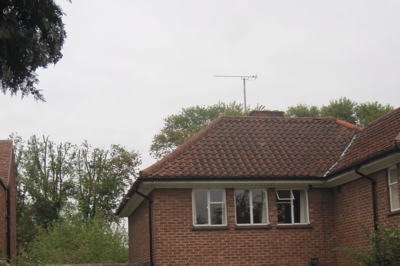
pixel 8 230
pixel 266 190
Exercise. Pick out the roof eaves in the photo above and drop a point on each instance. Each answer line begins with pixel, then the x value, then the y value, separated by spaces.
pixel 129 194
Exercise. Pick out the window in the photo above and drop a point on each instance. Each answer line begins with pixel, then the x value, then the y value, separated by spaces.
pixel 251 206
pixel 209 207
pixel 292 206
pixel 393 189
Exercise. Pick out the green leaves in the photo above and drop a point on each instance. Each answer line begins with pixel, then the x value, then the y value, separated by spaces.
pixel 384 246
pixel 73 240
pixel 179 128
pixel 31 36
pixel 343 109
pixel 55 180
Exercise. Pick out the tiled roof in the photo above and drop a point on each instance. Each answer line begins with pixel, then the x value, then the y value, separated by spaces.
pixel 376 139
pixel 5 160
pixel 258 147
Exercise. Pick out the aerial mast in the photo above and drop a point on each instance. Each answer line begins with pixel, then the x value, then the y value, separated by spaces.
pixel 244 78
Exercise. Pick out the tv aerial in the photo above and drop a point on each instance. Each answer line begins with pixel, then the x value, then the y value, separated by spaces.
pixel 244 78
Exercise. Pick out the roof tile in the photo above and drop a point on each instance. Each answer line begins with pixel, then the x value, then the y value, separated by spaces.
pixel 258 147
pixel 377 138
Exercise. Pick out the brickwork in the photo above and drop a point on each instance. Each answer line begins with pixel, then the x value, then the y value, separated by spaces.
pixel 3 221
pixel 7 191
pixel 353 212
pixel 176 242
pixel 139 241
pixel 13 213
pixel 339 217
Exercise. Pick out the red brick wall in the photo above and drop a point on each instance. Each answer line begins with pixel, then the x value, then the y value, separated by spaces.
pixel 176 242
pixel 13 214
pixel 340 217
pixel 139 241
pixel 353 212
pixel 3 222
pixel 7 174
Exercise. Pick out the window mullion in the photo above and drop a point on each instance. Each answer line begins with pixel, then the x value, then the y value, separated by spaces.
pixel 292 206
pixel 209 207
pixel 251 206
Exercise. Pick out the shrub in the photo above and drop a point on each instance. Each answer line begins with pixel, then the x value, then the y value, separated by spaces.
pixel 384 248
pixel 77 241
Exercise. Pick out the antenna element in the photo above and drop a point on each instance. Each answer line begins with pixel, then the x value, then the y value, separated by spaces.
pixel 244 78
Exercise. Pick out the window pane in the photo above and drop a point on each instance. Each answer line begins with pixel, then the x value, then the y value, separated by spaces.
pixel 296 206
pixel 393 175
pixel 284 194
pixel 242 207
pixel 284 213
pixel 217 211
pixel 201 212
pixel 259 208
pixel 394 193
pixel 217 195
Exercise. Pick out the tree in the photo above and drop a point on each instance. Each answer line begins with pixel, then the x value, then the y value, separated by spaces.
pixel 102 176
pixel 359 114
pixel 303 110
pixel 368 112
pixel 48 177
pixel 73 240
pixel 178 128
pixel 55 179
pixel 343 109
pixel 31 36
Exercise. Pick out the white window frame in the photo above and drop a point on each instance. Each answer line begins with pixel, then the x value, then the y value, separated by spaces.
pixel 393 184
pixel 290 200
pixel 209 203
pixel 251 208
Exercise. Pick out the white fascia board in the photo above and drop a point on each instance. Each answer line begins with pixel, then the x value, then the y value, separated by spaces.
pixel 238 184
pixel 366 169
pixel 134 201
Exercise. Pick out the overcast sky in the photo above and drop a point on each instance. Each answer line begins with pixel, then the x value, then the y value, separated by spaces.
pixel 128 64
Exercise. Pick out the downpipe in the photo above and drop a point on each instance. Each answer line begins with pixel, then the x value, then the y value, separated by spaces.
pixel 374 204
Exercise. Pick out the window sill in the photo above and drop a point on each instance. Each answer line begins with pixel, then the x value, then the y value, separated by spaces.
pixel 392 213
pixel 210 227
pixel 294 226
pixel 252 226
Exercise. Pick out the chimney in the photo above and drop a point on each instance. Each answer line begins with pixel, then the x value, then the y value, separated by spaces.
pixel 267 113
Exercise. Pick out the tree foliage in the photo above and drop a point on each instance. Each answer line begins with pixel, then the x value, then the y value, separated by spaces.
pixel 178 128
pixel 383 249
pixel 73 240
pixel 54 180
pixel 102 176
pixel 359 114
pixel 31 36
